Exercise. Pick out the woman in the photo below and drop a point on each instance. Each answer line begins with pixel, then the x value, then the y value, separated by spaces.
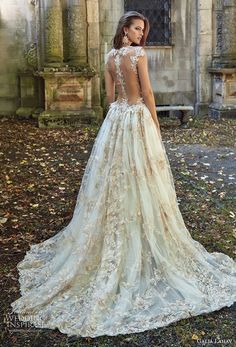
pixel 126 262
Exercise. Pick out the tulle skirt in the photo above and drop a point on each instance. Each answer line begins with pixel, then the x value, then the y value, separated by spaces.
pixel 126 262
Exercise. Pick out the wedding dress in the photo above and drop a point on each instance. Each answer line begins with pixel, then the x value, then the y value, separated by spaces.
pixel 126 262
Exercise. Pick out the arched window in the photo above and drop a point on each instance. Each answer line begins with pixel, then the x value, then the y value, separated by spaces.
pixel 158 13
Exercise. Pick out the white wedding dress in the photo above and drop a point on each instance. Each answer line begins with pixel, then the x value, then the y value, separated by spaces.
pixel 126 262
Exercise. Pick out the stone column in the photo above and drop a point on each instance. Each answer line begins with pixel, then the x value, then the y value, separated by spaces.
pixel 228 49
pixel 53 33
pixel 223 69
pixel 94 52
pixel 77 27
pixel 217 31
pixel 203 55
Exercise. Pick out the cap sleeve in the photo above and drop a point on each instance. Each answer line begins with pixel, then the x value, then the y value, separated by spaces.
pixel 140 52
pixel 107 56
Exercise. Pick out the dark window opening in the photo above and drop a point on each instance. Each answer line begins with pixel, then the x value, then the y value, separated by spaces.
pixel 158 13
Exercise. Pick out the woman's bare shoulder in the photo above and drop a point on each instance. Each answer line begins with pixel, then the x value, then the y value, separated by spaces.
pixel 109 54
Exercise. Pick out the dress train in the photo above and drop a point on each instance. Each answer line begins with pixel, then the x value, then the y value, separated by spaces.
pixel 126 262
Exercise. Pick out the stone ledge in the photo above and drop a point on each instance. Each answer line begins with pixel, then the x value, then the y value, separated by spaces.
pixel 222 70
pixel 59 119
pixel 223 111
pixel 25 112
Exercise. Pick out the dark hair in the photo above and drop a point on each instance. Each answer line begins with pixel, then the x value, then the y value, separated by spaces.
pixel 126 21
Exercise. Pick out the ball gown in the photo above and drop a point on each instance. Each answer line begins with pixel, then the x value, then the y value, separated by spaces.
pixel 126 262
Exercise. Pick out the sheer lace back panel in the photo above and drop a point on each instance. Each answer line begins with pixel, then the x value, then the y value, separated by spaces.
pixel 122 64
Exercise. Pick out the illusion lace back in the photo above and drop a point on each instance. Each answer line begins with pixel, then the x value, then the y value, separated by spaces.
pixel 126 262
pixel 122 65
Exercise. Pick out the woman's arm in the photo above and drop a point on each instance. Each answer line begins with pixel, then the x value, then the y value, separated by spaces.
pixel 109 86
pixel 146 88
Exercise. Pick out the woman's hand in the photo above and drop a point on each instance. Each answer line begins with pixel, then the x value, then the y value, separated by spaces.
pixel 157 124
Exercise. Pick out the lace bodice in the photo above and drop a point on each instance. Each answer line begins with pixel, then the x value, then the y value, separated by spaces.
pixel 122 64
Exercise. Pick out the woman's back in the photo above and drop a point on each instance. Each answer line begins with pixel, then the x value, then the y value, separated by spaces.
pixel 122 65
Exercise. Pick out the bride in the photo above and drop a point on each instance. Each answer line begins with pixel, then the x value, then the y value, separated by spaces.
pixel 126 262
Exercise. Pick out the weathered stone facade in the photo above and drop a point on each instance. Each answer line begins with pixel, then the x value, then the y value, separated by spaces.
pixel 67 69
pixel 59 74
pixel 223 68
pixel 52 58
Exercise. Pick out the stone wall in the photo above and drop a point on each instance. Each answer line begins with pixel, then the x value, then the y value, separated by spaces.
pixel 109 14
pixel 16 32
pixel 204 53
pixel 223 68
pixel 33 35
pixel 178 72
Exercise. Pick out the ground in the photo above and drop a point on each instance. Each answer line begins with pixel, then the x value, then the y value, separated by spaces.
pixel 41 170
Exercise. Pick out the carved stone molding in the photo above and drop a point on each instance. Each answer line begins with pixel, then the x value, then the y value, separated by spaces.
pixel 229 31
pixel 31 55
pixel 218 4
pixel 225 33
